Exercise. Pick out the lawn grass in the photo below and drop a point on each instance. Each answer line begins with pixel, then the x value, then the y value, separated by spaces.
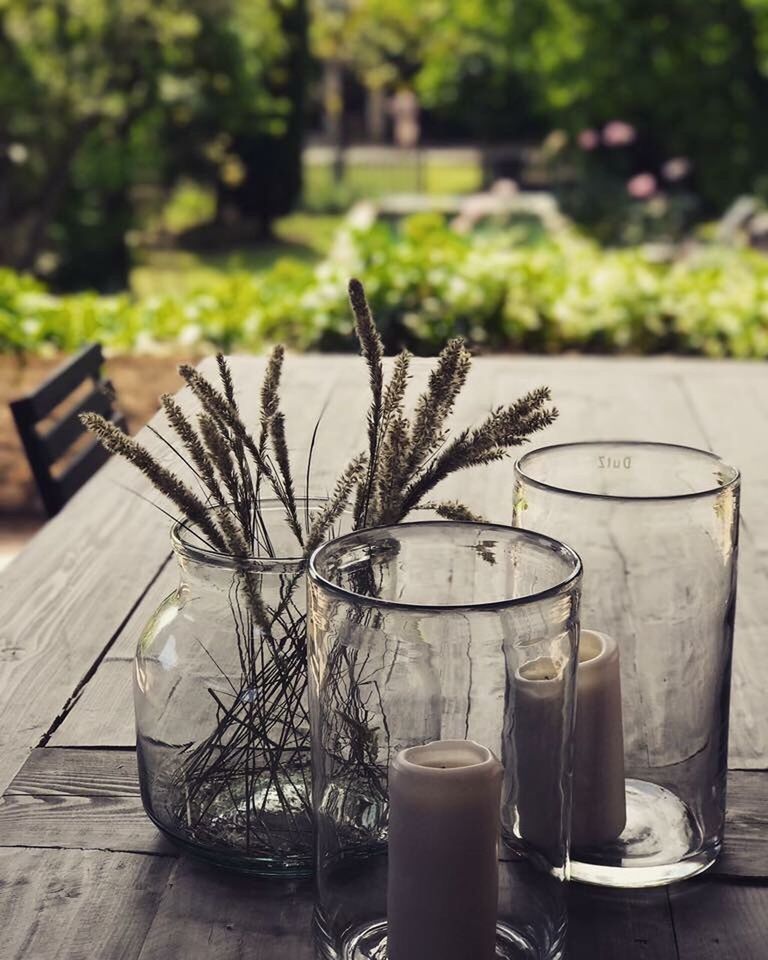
pixel 301 236
pixel 306 235
pixel 371 180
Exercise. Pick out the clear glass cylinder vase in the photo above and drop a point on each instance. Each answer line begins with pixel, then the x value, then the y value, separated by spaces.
pixel 449 632
pixel 656 526
pixel 220 692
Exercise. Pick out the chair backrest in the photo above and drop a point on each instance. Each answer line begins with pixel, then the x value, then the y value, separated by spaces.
pixel 45 447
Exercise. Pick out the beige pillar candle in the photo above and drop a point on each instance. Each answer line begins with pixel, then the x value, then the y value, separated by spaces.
pixel 443 837
pixel 599 804
pixel 540 754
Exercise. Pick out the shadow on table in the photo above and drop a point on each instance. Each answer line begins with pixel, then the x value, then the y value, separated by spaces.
pixel 605 924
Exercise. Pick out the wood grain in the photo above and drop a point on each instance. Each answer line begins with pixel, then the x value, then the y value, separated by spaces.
pixel 52 625
pixel 166 582
pixel 720 921
pixel 81 799
pixel 80 823
pixel 745 850
pixel 206 913
pixel 78 904
pixel 52 772
pixel 103 714
pixel 619 925
pixel 76 797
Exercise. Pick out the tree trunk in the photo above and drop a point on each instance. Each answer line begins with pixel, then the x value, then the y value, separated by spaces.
pixel 376 114
pixel 333 105
pixel 273 163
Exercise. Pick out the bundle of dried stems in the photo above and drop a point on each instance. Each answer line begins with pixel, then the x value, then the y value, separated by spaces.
pixel 407 456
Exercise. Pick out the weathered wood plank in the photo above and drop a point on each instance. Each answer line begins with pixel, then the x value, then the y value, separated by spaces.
pixel 166 582
pixel 207 913
pixel 745 850
pixel 732 410
pixel 53 772
pixel 78 904
pixel 66 597
pixel 619 925
pixel 91 798
pixel 720 921
pixel 55 903
pixel 81 799
pixel 53 625
pixel 82 823
pixel 103 715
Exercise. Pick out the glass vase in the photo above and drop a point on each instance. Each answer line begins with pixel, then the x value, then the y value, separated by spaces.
pixel 441 631
pixel 656 526
pixel 220 690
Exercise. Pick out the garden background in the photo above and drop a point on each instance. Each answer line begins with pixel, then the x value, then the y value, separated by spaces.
pixel 536 175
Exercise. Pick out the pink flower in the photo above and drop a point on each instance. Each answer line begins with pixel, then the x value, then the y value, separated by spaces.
pixel 618 134
pixel 642 186
pixel 588 139
pixel 677 168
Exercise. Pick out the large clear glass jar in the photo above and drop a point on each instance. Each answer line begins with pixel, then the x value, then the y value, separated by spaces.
pixel 656 526
pixel 439 631
pixel 222 723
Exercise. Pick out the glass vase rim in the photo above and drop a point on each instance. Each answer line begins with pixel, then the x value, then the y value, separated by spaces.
pixel 211 557
pixel 732 482
pixel 563 586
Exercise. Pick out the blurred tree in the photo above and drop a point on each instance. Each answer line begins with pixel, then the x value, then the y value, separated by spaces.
pixel 97 97
pixel 456 54
pixel 470 76
pixel 76 76
pixel 265 112
pixel 237 108
pixel 689 75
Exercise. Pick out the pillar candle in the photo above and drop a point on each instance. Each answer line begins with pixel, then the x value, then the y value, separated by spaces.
pixel 598 805
pixel 443 835
pixel 541 754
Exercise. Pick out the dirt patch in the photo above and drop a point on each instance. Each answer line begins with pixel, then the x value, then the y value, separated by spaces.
pixel 138 382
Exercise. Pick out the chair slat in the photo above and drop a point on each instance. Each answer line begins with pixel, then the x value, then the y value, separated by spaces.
pixel 63 434
pixel 81 470
pixel 62 382
pixel 44 449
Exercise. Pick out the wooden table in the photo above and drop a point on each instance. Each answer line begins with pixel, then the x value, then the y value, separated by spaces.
pixel 84 874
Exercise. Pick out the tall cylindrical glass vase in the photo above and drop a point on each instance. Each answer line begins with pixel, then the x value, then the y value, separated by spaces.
pixel 463 637
pixel 656 526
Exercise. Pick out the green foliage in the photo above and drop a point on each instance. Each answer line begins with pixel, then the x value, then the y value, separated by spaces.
pixel 457 54
pixel 97 98
pixel 300 236
pixel 690 75
pixel 426 283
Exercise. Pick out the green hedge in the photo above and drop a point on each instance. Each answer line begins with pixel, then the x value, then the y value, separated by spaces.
pixel 501 289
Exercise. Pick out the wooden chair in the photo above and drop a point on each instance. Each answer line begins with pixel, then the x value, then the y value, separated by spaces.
pixel 46 447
